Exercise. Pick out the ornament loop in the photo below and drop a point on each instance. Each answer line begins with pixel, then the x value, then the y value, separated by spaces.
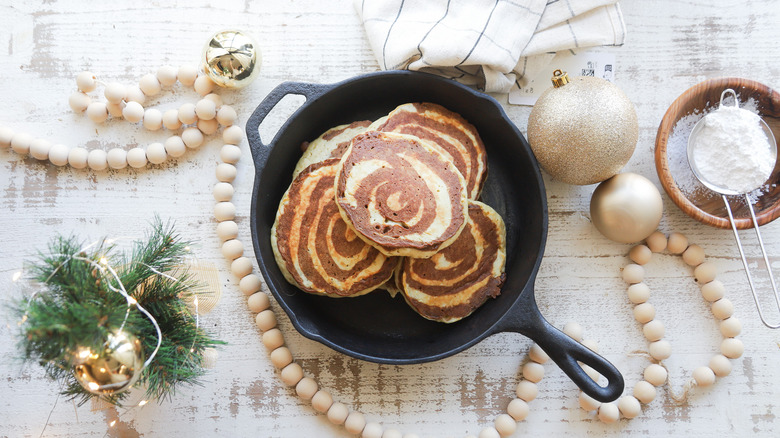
pixel 560 78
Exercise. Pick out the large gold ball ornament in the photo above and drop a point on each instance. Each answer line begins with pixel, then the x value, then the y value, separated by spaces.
pixel 112 370
pixel 232 59
pixel 626 208
pixel 584 130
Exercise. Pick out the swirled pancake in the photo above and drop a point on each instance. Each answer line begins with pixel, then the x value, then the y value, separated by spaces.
pixel 460 278
pixel 314 247
pixel 331 144
pixel 401 194
pixel 457 138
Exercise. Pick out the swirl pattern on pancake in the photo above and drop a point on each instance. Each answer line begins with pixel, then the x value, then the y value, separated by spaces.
pixel 331 144
pixel 401 194
pixel 449 130
pixel 313 246
pixel 457 280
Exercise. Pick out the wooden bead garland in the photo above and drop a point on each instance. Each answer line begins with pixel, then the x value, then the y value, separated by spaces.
pixel 656 375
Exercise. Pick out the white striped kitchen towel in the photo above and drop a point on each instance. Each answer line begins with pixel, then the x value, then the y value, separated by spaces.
pixel 491 44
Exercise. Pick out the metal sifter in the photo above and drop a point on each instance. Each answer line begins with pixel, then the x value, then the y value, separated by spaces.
pixel 718 187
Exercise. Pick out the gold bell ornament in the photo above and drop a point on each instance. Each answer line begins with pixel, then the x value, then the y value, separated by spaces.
pixel 231 59
pixel 112 370
pixel 582 130
pixel 626 208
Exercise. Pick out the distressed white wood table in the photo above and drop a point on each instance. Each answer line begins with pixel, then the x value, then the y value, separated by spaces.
pixel 671 46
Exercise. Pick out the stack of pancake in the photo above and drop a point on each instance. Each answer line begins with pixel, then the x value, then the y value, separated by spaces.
pixel 392 205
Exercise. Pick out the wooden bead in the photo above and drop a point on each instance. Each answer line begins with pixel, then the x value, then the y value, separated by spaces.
pixel 250 284
pixel 591 372
pixel 644 392
pixel 693 256
pixel 660 350
pixel 273 339
pixel 640 254
pixel 6 135
pixel 117 158
pixel 205 109
pixel 174 146
pixel 713 291
pixel 187 114
pixel 241 267
pixel 230 153
pixel 730 327
pixel 722 308
pixel 136 158
pixel 226 116
pixel 134 94
pixel 86 81
pixel 115 92
pixel 152 119
pixel 644 313
pixel 655 374
pixel 166 75
pixel 629 406
pixel 533 371
pixel 633 273
pixel 355 422
pixel 720 365
pixel 156 153
pixel 518 409
pixel 337 414
pixel 489 432
pixel 537 354
pixel 281 357
pixel 732 348
pixel 226 172
pixel 638 293
pixel 58 154
pixel 97 159
pixel 224 211
pixel 79 101
pixel 187 75
pixel 170 119
pixel 704 376
pixel 588 403
pixel 677 244
pixel 609 413
pixel 77 158
pixel 266 320
pixel 505 425
pixel 150 85
pixel 192 137
pixel 656 241
pixel 214 97
pixel 591 345
pixel 292 374
pixel 306 388
pixel 227 230
pixel 526 390
pixel 233 135
pixel 20 143
pixel 203 85
pixel 372 430
pixel 705 273
pixel 258 301
pixel 115 110
pixel 97 112
pixel 39 149
pixel 208 127
pixel 232 249
pixel 392 433
pixel 653 330
pixel 574 330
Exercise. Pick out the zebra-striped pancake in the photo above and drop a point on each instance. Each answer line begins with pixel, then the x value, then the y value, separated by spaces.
pixel 401 194
pixel 457 138
pixel 331 144
pixel 313 246
pixel 460 278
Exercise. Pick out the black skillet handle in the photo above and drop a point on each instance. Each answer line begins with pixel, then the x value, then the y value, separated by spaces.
pixel 306 89
pixel 562 349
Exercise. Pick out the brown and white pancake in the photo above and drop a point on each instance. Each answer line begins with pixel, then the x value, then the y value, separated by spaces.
pixel 313 246
pixel 458 279
pixel 401 194
pixel 450 131
pixel 331 144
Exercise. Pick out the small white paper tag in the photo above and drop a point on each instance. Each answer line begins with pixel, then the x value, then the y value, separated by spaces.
pixel 598 64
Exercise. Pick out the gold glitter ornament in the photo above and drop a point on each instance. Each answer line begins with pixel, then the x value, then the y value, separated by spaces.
pixel 583 130
pixel 231 59
pixel 112 370
pixel 626 208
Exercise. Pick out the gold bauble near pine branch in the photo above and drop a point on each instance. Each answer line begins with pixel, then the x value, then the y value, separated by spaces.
pixel 112 370
pixel 582 130
pixel 231 59
pixel 626 208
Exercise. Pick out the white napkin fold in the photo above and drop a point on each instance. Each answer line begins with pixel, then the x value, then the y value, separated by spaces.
pixel 491 44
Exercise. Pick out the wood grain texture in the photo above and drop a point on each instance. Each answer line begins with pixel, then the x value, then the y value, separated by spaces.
pixel 671 46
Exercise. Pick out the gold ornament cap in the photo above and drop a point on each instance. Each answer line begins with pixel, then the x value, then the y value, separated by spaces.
pixel 231 59
pixel 560 78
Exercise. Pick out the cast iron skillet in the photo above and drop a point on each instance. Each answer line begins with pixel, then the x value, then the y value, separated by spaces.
pixel 376 327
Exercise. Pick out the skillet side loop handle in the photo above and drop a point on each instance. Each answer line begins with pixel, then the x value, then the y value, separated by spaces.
pixel 259 149
pixel 566 352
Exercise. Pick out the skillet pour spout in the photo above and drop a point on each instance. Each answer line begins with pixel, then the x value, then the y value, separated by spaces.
pixel 376 327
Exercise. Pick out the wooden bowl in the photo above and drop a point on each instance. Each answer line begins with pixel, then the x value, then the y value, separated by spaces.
pixel 671 159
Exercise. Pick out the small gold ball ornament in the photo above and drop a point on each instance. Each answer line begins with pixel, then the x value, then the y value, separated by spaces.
pixel 112 370
pixel 626 208
pixel 582 130
pixel 231 59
